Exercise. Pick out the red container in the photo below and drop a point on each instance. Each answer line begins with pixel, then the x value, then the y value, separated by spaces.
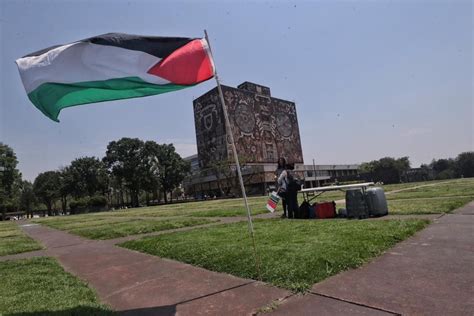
pixel 325 209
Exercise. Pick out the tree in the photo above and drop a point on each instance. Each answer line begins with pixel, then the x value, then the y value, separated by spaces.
pixel 27 198
pixel 151 169
pixel 86 176
pixel 441 165
pixel 116 190
pixel 227 176
pixel 10 179
pixel 446 174
pixel 426 172
pixel 124 160
pixel 66 187
pixel 172 168
pixel 464 164
pixel 46 188
pixel 387 169
pixel 367 167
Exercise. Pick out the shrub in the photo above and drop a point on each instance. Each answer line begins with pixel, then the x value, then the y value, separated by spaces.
pixel 97 201
pixel 79 203
pixel 446 174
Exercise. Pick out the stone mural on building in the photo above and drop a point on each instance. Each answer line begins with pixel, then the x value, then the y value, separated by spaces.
pixel 210 129
pixel 264 127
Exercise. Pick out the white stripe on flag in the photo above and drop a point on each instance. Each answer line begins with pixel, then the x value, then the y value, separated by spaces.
pixel 84 62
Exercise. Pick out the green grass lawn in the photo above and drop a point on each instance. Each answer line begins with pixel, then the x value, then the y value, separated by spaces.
pixel 39 286
pixel 423 205
pixel 461 188
pixel 427 206
pixel 108 228
pixel 12 240
pixel 119 223
pixel 399 186
pixel 443 197
pixel 444 187
pixel 210 208
pixel 79 221
pixel 230 212
pixel 294 254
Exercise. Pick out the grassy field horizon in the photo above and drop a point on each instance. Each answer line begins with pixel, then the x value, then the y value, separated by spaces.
pixel 432 197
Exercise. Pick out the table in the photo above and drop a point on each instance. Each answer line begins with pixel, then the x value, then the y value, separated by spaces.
pixel 310 194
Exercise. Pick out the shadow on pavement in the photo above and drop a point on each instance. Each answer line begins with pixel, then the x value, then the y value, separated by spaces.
pixel 167 310
pixel 75 311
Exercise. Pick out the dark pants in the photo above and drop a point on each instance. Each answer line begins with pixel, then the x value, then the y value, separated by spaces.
pixel 292 204
pixel 284 205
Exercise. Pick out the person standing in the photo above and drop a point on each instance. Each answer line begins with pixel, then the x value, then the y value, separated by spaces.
pixel 292 188
pixel 281 183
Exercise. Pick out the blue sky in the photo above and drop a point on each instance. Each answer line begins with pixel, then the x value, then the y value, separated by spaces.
pixel 370 79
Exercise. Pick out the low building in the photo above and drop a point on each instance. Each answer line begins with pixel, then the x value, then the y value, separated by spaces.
pixel 260 178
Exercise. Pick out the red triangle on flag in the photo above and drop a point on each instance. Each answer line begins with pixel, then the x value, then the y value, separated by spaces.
pixel 187 65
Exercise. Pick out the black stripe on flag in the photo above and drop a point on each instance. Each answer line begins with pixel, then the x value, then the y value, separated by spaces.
pixel 157 46
pixel 153 45
pixel 41 52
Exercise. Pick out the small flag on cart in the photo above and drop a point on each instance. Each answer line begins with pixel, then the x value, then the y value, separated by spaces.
pixel 273 202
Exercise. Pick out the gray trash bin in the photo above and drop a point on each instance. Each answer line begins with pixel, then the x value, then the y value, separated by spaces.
pixel 376 202
pixel 355 204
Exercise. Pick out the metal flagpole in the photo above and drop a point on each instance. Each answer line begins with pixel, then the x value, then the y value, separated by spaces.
pixel 315 178
pixel 236 157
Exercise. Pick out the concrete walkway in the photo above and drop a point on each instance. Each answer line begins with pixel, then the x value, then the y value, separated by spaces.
pixel 139 284
pixel 431 273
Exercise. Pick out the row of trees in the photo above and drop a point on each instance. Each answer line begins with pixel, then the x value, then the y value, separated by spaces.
pixel 461 166
pixel 131 170
pixel 135 171
pixel 396 170
pixel 386 170
pixel 10 179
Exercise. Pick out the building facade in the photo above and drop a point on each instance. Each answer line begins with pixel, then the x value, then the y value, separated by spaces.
pixel 264 128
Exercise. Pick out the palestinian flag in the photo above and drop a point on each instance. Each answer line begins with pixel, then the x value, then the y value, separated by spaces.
pixel 110 67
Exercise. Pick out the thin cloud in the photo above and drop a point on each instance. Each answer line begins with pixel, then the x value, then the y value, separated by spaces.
pixel 417 131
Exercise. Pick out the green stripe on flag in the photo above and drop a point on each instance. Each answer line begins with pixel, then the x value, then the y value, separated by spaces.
pixel 51 98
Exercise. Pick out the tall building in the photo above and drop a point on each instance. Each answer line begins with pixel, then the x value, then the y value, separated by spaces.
pixel 264 129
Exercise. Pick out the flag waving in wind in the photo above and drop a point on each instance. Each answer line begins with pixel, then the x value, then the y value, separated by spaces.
pixel 111 67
